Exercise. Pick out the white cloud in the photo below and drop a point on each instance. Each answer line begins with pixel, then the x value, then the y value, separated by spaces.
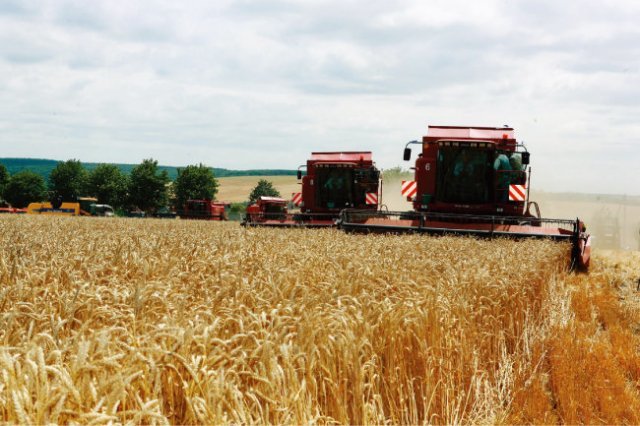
pixel 261 83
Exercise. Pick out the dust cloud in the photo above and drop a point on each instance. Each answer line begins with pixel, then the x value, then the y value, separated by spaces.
pixel 391 196
pixel 612 220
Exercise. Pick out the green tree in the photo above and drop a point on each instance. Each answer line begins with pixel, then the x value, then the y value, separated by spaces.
pixel 396 173
pixel 237 210
pixel 148 186
pixel 68 180
pixel 4 180
pixel 195 182
pixel 25 187
pixel 263 188
pixel 107 183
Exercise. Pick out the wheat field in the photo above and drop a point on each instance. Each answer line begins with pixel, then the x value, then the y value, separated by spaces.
pixel 236 189
pixel 151 321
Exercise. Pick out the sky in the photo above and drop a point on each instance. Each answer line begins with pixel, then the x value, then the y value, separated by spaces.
pixel 260 84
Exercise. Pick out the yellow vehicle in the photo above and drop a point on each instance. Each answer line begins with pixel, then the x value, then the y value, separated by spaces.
pixel 65 209
pixel 80 208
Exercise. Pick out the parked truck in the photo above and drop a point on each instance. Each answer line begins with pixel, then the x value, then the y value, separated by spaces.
pixel 83 206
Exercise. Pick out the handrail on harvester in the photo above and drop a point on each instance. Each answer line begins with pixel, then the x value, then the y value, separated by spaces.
pixel 349 217
pixel 307 220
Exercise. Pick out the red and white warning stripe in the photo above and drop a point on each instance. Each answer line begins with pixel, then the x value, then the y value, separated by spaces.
pixel 296 198
pixel 409 188
pixel 371 198
pixel 517 193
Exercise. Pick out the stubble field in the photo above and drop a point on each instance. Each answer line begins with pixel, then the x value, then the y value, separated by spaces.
pixel 151 321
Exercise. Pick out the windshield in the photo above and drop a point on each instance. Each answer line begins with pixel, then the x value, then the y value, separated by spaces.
pixel 198 206
pixel 465 175
pixel 274 208
pixel 335 187
pixel 476 176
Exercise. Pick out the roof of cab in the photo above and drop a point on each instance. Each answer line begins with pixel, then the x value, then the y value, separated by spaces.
pixel 463 132
pixel 347 156
pixel 272 199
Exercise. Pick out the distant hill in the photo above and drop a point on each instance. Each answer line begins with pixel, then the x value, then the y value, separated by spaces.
pixel 44 166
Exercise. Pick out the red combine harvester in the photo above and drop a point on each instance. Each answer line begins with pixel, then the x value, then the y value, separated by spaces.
pixel 334 181
pixel 268 211
pixel 204 210
pixel 472 181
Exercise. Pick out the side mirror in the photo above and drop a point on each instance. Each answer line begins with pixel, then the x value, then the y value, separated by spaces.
pixel 525 158
pixel 407 154
pixel 299 174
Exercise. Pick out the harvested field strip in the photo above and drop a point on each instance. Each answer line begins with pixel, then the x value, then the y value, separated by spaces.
pixel 590 361
pixel 189 322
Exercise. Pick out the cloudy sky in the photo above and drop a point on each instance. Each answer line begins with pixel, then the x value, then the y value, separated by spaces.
pixel 261 83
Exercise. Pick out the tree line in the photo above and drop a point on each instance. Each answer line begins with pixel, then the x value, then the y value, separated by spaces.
pixel 146 187
pixel 44 167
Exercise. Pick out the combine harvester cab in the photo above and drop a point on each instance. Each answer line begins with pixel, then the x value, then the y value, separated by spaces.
pixel 334 181
pixel 204 210
pixel 472 181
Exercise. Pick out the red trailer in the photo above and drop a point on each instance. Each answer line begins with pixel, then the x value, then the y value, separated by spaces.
pixel 12 210
pixel 204 210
